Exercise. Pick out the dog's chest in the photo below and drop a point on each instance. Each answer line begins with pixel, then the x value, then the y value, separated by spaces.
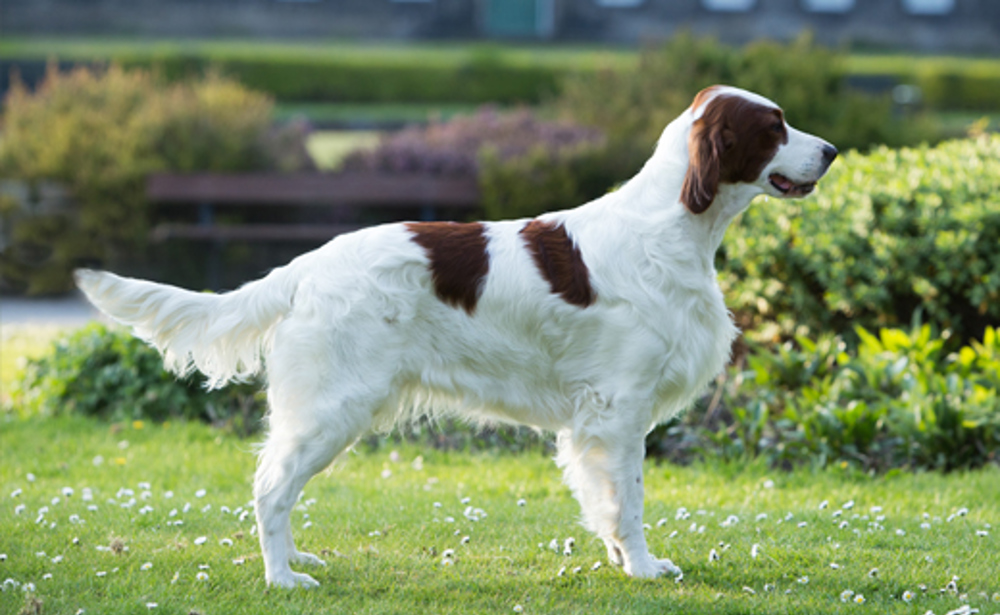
pixel 697 333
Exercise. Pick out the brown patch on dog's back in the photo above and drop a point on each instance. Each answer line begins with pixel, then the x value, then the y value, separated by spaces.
pixel 459 261
pixel 559 261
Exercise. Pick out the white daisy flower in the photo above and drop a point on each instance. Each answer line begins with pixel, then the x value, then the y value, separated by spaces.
pixel 961 512
pixel 769 587
pixel 873 573
pixel 554 544
pixel 749 590
pixel 202 576
pixel 307 525
pixel 30 477
pixel 596 565
pixel 151 605
pixel 982 533
pixel 518 608
pixel 16 493
pixel 20 508
pixel 447 562
pixel 201 540
pixel 803 580
pixel 672 534
pixel 47 576
pixel 386 473
pixel 824 504
pixel 465 500
pixel 562 572
pixel 908 596
pixel 755 551
pixel 859 599
pixel 57 559
pixel 102 574
pixel 900 532
pixel 577 570
pixel 226 542
pixel 522 502
pixel 713 556
pixel 834 566
pixel 200 493
pixel 239 561
pixel 448 553
pixel 661 522
pixel 761 517
pixel 67 492
pixel 146 566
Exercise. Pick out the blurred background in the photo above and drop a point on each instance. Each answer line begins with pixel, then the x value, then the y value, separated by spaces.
pixel 514 106
pixel 203 142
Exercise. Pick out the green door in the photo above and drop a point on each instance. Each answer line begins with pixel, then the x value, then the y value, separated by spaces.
pixel 512 18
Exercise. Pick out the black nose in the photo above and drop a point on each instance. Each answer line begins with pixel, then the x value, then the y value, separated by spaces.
pixel 829 153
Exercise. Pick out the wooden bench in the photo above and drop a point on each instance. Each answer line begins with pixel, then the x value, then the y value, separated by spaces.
pixel 328 205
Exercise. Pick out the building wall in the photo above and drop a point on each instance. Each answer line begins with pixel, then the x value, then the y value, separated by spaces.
pixel 970 25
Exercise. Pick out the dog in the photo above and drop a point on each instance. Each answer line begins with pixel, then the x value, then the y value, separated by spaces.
pixel 596 323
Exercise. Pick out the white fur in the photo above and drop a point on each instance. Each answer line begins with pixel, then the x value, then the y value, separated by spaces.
pixel 353 338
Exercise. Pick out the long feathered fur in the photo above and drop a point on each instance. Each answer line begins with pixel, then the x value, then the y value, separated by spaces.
pixel 358 334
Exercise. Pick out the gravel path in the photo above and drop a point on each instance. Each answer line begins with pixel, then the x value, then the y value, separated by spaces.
pixel 68 311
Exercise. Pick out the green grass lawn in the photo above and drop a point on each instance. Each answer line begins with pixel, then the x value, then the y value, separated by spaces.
pixel 375 518
pixel 17 344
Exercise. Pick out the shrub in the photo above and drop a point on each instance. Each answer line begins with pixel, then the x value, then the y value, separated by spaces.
pixel 888 235
pixel 899 400
pixel 454 147
pixel 808 81
pixel 99 134
pixel 525 165
pixel 109 374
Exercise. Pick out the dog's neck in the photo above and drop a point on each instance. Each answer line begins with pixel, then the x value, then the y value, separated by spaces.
pixel 654 196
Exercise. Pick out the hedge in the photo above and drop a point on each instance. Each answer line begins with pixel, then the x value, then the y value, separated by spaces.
pixel 888 236
pixel 98 134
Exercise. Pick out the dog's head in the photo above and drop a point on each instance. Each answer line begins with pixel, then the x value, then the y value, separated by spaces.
pixel 740 137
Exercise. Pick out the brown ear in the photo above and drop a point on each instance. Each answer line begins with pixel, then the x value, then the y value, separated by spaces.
pixel 701 182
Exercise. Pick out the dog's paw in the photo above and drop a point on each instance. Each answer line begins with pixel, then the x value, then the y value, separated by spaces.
pixel 650 567
pixel 299 557
pixel 291 580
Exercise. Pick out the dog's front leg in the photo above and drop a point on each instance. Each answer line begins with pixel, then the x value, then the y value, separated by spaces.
pixel 605 475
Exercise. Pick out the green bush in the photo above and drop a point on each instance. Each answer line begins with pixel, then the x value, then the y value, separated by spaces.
pixel 899 401
pixel 109 374
pixel 483 77
pixel 99 134
pixel 808 82
pixel 542 180
pixel 887 235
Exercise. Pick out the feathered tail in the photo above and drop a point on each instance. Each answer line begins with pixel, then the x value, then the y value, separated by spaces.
pixel 223 336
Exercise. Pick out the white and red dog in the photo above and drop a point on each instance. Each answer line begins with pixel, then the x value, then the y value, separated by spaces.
pixel 595 323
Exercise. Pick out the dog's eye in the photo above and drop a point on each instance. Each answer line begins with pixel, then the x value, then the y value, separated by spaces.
pixel 778 127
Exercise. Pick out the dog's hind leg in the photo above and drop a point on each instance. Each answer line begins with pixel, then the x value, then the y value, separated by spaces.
pixel 287 462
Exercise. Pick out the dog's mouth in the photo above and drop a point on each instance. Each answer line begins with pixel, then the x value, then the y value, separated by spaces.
pixel 789 188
